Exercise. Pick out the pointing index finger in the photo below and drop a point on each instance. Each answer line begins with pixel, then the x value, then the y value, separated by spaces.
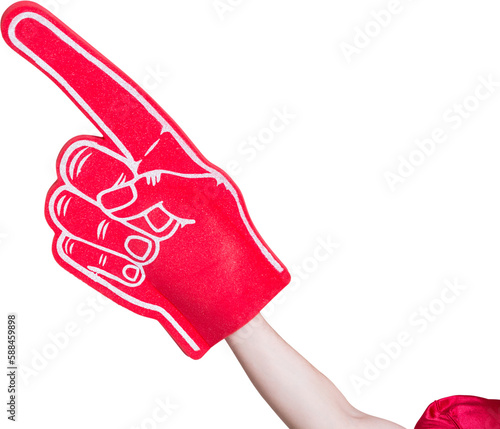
pixel 121 110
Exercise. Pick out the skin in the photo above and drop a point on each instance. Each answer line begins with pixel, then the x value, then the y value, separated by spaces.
pixel 298 393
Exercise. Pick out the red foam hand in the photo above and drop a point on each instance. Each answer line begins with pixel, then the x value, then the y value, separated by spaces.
pixel 140 214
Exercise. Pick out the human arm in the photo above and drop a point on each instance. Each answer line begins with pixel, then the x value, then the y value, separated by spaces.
pixel 300 395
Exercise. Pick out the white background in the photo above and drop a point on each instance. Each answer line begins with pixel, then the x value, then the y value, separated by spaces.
pixel 321 177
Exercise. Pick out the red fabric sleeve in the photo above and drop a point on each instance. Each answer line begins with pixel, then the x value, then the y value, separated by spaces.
pixel 461 412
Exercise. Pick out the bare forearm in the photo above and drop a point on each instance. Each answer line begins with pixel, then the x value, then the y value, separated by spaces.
pixel 299 394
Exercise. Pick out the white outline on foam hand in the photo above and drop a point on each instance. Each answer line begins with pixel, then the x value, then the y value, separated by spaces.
pixel 127 158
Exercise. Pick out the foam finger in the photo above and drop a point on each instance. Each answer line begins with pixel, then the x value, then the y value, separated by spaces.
pixel 111 100
pixel 82 219
pixel 93 261
pixel 121 110
pixel 92 168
